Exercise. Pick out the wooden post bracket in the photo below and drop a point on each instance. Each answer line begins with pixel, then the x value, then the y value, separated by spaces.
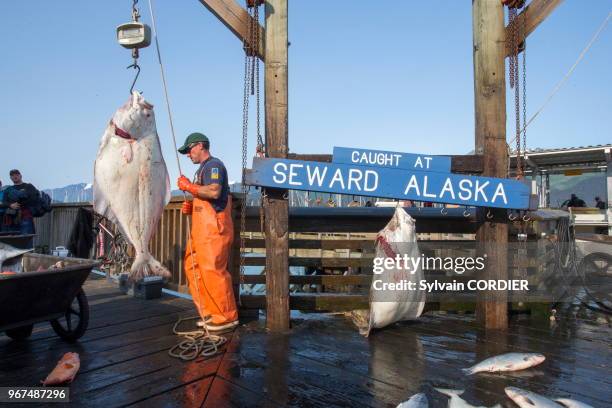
pixel 237 19
pixel 533 15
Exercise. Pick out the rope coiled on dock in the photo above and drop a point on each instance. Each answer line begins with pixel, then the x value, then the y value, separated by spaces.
pixel 195 343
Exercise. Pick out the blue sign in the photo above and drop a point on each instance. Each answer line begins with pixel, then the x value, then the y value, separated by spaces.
pixel 389 183
pixel 396 160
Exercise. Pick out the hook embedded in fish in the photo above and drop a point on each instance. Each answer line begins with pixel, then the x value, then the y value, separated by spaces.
pixel 506 362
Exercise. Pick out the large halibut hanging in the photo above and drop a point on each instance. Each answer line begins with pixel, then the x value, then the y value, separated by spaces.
pixel 131 182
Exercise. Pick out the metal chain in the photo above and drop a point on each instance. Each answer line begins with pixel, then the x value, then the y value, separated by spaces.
pixel 513 72
pixel 245 131
pixel 135 13
pixel 524 30
pixel 512 60
pixel 260 149
pixel 251 85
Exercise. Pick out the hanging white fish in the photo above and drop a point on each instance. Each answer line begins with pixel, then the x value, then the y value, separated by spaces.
pixel 416 401
pixel 7 252
pixel 570 403
pixel 131 182
pixel 456 401
pixel 528 399
pixel 506 362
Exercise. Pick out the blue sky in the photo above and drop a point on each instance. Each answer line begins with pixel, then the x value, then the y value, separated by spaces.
pixel 393 75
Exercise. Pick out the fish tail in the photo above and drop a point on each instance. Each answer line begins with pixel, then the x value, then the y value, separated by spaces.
pixel 146 265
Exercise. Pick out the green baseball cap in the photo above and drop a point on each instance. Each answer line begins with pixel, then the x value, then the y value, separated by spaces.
pixel 191 139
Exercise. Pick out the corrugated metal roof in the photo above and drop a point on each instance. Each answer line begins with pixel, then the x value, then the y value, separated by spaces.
pixel 584 156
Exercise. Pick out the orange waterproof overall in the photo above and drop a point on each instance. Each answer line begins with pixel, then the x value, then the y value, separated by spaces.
pixel 209 281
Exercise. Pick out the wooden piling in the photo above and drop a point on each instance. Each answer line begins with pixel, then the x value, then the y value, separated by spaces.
pixel 490 108
pixel 275 204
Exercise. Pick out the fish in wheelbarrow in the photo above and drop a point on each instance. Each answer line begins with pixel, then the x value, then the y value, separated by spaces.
pixel 131 182
pixel 506 362
pixel 528 399
pixel 8 252
pixel 64 371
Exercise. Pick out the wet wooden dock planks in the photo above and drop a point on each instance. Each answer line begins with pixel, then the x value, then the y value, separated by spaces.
pixel 322 362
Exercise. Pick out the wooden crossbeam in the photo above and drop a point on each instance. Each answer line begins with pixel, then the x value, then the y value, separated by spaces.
pixel 531 17
pixel 237 19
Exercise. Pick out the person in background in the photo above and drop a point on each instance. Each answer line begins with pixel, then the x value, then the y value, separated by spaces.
pixel 599 203
pixel 3 206
pixel 20 197
pixel 574 201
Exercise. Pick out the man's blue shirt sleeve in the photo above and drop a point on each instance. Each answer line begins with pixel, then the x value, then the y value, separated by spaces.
pixel 213 174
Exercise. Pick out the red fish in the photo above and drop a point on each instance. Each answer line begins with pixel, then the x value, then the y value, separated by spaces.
pixel 65 370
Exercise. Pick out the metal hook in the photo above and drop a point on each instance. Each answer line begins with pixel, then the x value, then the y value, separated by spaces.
pixel 285 195
pixel 443 211
pixel 137 68
pixel 512 217
pixel 135 13
pixel 489 215
pixel 526 218
pixel 466 212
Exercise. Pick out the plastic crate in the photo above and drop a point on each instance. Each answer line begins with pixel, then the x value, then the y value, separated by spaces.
pixel 146 288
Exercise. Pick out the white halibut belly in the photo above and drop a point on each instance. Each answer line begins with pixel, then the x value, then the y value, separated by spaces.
pixel 132 194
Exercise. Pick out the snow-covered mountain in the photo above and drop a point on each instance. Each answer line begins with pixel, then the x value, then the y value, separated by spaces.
pixel 73 193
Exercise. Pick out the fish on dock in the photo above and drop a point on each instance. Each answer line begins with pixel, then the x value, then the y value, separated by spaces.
pixel 416 401
pixel 64 371
pixel 456 401
pixel 570 403
pixel 506 362
pixel 131 182
pixel 528 399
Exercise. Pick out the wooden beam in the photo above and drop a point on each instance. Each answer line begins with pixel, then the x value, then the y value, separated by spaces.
pixel 237 19
pixel 465 163
pixel 276 206
pixel 530 18
pixel 490 136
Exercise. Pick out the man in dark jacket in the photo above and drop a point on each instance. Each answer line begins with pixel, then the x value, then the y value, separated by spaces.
pixel 599 203
pixel 574 201
pixel 20 197
pixel 3 206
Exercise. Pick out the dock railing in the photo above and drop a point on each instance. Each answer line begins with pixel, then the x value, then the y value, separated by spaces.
pixel 333 248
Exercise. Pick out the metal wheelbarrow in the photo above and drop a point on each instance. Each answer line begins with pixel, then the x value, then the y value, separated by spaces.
pixel 39 292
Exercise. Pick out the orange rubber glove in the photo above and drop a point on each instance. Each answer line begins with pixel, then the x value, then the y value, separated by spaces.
pixel 187 207
pixel 184 184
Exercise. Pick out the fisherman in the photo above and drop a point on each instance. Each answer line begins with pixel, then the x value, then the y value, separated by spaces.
pixel 20 197
pixel 212 232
